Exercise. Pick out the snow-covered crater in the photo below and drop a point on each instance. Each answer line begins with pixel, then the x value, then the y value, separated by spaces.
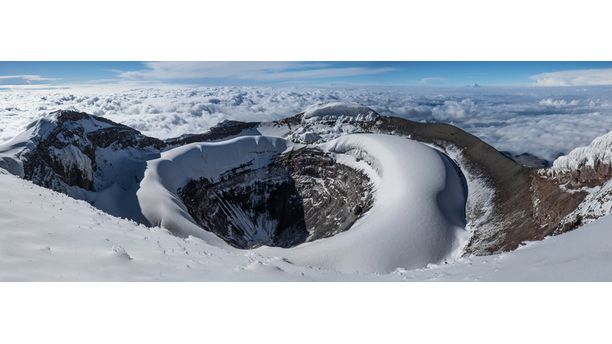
pixel 417 216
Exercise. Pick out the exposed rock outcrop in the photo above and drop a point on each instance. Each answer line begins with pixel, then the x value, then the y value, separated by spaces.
pixel 301 196
pixel 80 155
pixel 584 175
pixel 68 152
pixel 528 160
pixel 305 195
pixel 221 131
pixel 586 172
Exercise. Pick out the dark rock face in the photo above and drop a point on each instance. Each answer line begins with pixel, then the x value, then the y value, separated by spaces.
pixel 290 122
pixel 528 160
pixel 221 131
pixel 305 195
pixel 123 137
pixel 524 206
pixel 301 196
pixel 67 155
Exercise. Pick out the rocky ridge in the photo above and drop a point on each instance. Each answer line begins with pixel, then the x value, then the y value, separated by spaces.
pixel 508 203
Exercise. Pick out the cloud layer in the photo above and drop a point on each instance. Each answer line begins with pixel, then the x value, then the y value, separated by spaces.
pixel 581 77
pixel 23 79
pixel 542 121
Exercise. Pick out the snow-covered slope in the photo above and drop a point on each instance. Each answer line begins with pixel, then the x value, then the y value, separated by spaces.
pixel 12 151
pixel 359 194
pixel 584 254
pixel 417 217
pixel 86 157
pixel 335 110
pixel 48 236
pixel 324 122
pixel 163 177
pixel 68 240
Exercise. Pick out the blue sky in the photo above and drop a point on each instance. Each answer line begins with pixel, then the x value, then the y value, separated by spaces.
pixel 422 74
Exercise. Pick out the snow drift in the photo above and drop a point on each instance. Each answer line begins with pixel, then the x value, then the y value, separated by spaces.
pixel 418 216
pixel 163 177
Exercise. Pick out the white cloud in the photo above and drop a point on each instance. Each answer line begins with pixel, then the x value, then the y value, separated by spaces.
pixel 542 121
pixel 454 110
pixel 245 70
pixel 23 79
pixel 579 77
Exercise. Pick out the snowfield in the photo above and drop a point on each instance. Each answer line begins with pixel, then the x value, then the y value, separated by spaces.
pixel 68 240
pixel 580 255
pixel 47 236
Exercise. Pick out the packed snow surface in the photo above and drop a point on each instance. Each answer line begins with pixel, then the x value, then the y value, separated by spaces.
pixel 584 254
pixel 47 236
pixel 417 217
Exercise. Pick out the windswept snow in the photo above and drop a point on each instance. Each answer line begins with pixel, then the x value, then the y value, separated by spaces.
pixel 321 123
pixel 47 236
pixel 22 143
pixel 599 150
pixel 331 111
pixel 417 217
pixel 582 255
pixel 163 177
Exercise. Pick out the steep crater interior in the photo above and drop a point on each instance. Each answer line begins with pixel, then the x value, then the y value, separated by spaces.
pixel 301 196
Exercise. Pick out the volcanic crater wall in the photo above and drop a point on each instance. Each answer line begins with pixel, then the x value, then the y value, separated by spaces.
pixel 301 196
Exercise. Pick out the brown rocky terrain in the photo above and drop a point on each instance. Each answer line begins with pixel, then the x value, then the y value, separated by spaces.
pixel 585 175
pixel 525 204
